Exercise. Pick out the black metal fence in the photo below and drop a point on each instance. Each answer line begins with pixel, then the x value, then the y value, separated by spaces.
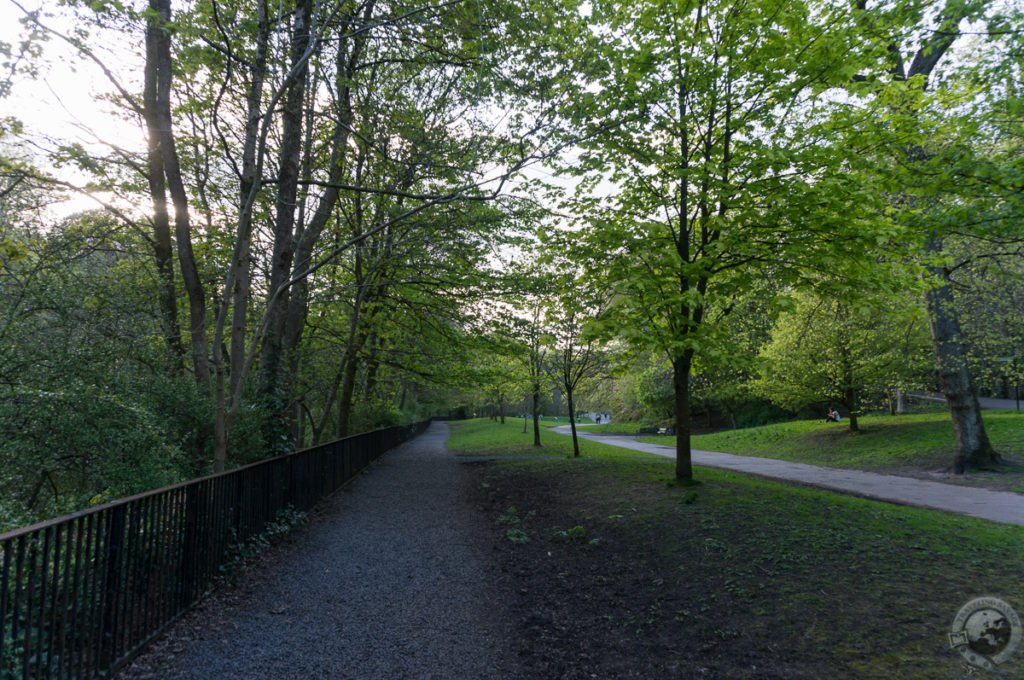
pixel 81 594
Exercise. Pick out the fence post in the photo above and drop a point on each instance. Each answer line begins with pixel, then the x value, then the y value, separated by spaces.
pixel 5 582
pixel 112 585
pixel 187 565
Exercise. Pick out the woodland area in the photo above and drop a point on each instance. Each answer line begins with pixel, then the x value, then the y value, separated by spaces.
pixel 324 218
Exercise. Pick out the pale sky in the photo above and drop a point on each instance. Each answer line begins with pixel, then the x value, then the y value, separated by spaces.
pixel 61 103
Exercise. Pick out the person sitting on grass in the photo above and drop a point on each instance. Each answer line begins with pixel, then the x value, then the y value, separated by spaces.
pixel 833 416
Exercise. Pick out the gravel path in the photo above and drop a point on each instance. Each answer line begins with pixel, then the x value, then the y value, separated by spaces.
pixel 387 582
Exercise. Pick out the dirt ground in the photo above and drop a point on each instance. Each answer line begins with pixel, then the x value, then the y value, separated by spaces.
pixel 606 601
pixel 628 580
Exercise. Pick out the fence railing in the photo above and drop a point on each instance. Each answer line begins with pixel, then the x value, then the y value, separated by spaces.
pixel 83 593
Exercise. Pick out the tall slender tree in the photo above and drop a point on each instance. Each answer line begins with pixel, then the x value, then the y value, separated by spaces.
pixel 707 119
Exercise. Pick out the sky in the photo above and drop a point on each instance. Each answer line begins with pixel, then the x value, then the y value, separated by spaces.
pixel 61 101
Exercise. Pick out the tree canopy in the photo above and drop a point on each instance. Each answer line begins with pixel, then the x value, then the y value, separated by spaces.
pixel 315 220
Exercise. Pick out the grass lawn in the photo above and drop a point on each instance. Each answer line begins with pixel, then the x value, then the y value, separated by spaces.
pixel 614 428
pixel 484 437
pixel 920 445
pixel 615 573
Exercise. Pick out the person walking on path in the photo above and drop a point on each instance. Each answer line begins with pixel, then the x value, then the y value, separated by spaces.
pixel 387 582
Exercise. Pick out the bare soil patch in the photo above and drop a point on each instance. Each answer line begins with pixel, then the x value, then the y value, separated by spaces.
pixel 621 577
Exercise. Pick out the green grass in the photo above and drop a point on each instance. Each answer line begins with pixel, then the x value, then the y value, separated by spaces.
pixel 484 437
pixel 920 443
pixel 852 587
pixel 556 420
pixel 615 428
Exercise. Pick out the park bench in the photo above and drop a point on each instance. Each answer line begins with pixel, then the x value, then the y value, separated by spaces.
pixel 644 431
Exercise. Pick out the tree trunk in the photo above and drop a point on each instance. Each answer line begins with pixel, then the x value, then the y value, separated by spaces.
pixel 850 402
pixel 536 414
pixel 179 198
pixel 238 283
pixel 287 194
pixel 973 448
pixel 297 308
pixel 298 299
pixel 356 339
pixel 681 387
pixel 347 390
pixel 163 248
pixel 372 369
pixel 321 424
pixel 300 434
pixel 572 422
pixel 849 398
pixel 241 273
pixel 221 427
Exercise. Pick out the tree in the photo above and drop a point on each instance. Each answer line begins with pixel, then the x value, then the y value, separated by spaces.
pixel 708 120
pixel 908 87
pixel 288 158
pixel 847 351
pixel 535 344
pixel 518 332
pixel 990 301
pixel 83 365
pixel 725 385
pixel 499 373
pixel 577 356
pixel 164 173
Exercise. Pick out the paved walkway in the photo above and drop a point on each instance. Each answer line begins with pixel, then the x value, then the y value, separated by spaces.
pixel 984 402
pixel 998 506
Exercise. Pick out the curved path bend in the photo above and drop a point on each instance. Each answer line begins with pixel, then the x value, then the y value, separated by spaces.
pixel 386 582
pixel 998 506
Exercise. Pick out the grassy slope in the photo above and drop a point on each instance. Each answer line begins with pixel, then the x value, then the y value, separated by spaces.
pixel 902 444
pixel 482 437
pixel 861 588
pixel 614 428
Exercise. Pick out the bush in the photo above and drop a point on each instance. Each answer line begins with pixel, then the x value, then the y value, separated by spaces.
pixel 185 415
pixel 761 413
pixel 62 450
